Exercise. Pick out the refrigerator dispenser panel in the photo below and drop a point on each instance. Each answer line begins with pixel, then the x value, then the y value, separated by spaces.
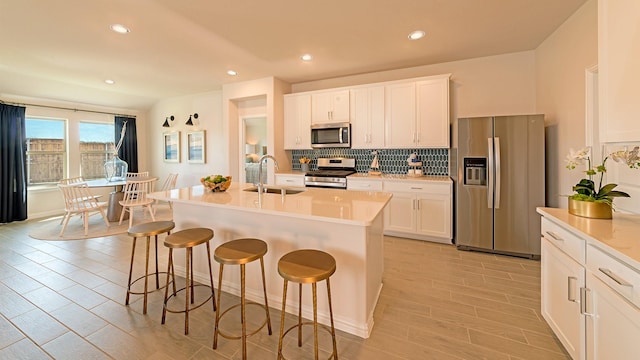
pixel 475 171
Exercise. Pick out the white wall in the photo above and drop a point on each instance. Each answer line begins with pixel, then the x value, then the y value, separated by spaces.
pixel 561 61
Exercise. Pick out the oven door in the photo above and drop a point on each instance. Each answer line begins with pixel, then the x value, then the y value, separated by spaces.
pixel 331 135
pixel 325 182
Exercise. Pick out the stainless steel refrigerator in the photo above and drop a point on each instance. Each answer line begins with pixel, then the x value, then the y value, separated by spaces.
pixel 498 168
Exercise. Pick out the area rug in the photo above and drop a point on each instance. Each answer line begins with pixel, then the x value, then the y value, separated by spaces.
pixel 49 228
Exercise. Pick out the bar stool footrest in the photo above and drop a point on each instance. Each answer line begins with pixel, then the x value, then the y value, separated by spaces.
pixel 148 291
pixel 166 307
pixel 232 337
pixel 320 326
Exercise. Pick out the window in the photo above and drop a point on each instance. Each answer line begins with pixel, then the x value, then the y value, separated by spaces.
pixel 46 151
pixel 96 147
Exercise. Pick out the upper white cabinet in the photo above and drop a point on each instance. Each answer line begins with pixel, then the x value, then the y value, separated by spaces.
pixel 330 107
pixel 417 114
pixel 432 114
pixel 618 47
pixel 367 117
pixel 400 117
pixel 297 121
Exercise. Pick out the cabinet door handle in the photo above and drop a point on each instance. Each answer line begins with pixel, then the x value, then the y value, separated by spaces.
pixel 583 301
pixel 571 296
pixel 417 204
pixel 554 236
pixel 615 277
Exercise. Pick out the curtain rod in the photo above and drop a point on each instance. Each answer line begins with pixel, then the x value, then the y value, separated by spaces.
pixel 65 108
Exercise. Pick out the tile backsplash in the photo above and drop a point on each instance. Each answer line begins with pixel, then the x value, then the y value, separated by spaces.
pixel 391 161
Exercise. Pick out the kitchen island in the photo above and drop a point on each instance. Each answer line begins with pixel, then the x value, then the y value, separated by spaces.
pixel 346 224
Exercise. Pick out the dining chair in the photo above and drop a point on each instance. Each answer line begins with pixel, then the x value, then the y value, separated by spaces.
pixel 168 184
pixel 75 180
pixel 135 196
pixel 79 200
pixel 138 174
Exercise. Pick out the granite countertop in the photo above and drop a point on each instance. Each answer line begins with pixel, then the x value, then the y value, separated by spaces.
pixel 331 205
pixel 618 235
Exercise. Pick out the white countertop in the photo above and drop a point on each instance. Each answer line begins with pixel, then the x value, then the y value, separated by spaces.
pixel 620 235
pixel 331 205
pixel 400 177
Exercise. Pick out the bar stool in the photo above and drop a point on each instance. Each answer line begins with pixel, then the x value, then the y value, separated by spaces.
pixel 307 267
pixel 187 239
pixel 147 229
pixel 240 252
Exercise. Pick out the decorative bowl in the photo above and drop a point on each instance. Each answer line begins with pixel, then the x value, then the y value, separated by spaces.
pixel 216 187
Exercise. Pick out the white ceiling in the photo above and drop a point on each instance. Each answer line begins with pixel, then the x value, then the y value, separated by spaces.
pixel 64 50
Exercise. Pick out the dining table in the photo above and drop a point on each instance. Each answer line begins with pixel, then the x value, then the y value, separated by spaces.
pixel 114 209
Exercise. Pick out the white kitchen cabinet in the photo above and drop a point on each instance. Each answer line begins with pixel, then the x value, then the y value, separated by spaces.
pixel 562 279
pixel 297 121
pixel 367 117
pixel 618 74
pixel 400 115
pixel 432 114
pixel 417 114
pixel 290 180
pixel 363 184
pixel 419 209
pixel 330 107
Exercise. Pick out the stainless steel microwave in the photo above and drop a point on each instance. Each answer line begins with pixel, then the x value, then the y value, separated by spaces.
pixel 331 135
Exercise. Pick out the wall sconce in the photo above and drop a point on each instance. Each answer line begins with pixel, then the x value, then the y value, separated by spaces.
pixel 190 122
pixel 166 121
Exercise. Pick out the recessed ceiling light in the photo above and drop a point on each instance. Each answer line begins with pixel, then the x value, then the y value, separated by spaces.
pixel 306 57
pixel 232 72
pixel 418 34
pixel 120 29
pixel 109 81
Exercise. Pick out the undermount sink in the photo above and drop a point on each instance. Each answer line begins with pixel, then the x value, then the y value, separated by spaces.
pixel 275 190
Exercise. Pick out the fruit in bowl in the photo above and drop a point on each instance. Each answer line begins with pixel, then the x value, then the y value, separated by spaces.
pixel 216 183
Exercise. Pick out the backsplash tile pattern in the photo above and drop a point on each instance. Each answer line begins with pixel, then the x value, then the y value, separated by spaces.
pixel 391 161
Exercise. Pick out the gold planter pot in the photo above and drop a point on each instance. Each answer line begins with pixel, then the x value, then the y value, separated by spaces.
pixel 590 209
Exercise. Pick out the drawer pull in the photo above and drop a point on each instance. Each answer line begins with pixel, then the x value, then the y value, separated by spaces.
pixel 615 277
pixel 416 188
pixel 571 296
pixel 554 236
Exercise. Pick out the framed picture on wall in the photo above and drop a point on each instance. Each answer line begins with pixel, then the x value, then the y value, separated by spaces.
pixel 172 146
pixel 196 147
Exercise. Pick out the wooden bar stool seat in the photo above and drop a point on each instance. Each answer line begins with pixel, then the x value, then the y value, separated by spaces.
pixel 187 239
pixel 241 252
pixel 149 229
pixel 307 267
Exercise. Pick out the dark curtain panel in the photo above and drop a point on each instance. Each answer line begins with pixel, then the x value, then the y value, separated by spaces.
pixel 13 164
pixel 129 149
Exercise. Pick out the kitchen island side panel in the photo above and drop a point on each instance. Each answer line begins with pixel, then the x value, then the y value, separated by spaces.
pixel 358 250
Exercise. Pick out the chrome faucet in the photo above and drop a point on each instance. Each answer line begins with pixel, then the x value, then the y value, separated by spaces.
pixel 264 158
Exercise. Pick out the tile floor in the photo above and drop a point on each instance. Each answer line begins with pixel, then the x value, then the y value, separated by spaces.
pixel 65 300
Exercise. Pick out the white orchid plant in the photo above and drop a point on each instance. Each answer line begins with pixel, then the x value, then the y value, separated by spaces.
pixel 585 189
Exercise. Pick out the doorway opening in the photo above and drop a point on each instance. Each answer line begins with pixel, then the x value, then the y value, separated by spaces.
pixel 254 145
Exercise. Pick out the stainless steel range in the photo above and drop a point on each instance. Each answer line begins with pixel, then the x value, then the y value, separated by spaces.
pixel 331 173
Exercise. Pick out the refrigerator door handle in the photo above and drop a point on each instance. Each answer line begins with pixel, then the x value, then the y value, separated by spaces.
pixel 490 171
pixel 497 179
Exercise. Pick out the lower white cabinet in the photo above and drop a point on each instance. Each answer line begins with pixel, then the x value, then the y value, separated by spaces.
pixel 290 180
pixel 419 209
pixel 363 184
pixel 562 280
pixel 591 292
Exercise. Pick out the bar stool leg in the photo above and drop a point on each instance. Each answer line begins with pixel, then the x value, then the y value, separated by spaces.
pixel 191 256
pixel 315 319
pixel 157 276
pixel 284 307
pixel 186 291
pixel 243 312
pixel 213 293
pixel 166 289
pixel 133 253
pixel 146 277
pixel 333 329
pixel 215 330
pixel 264 288
pixel 299 315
